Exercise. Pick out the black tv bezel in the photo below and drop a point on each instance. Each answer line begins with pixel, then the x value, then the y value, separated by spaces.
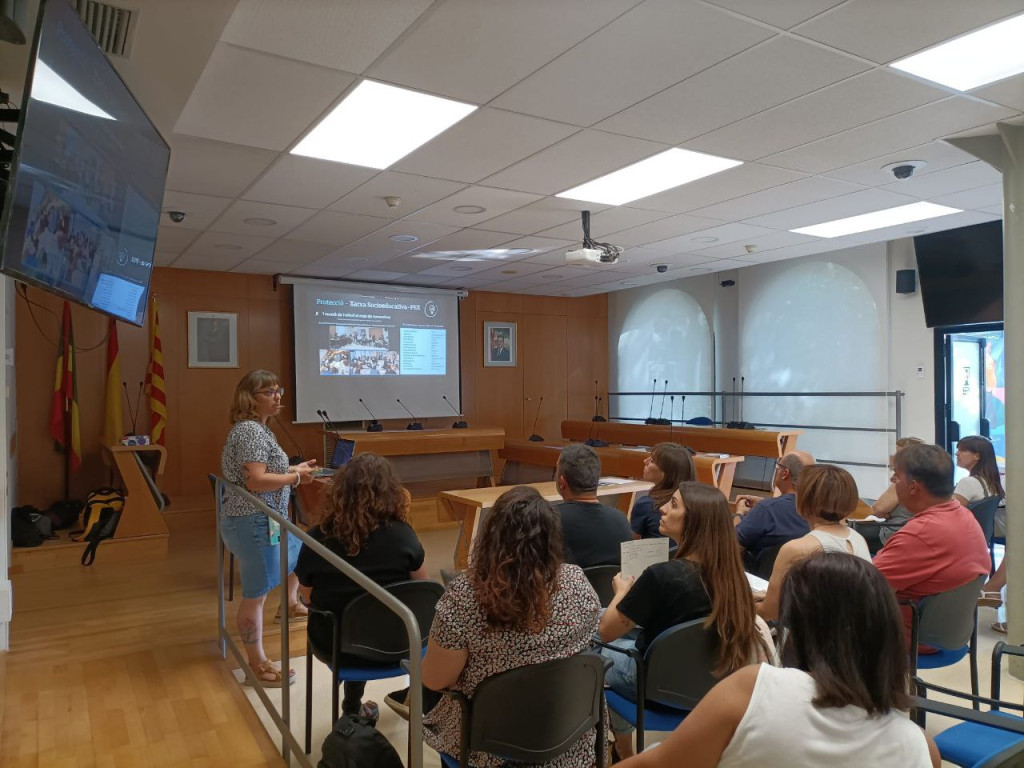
pixel 8 202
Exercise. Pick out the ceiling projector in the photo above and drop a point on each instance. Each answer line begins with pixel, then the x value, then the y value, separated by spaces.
pixel 591 252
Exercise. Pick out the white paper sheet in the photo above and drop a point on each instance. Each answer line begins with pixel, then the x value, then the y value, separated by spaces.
pixel 637 555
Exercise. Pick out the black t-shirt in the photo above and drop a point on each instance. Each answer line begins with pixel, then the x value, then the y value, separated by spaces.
pixel 390 554
pixel 592 533
pixel 666 594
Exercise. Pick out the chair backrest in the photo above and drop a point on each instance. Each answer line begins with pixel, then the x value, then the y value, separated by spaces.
pixel 535 713
pixel 984 511
pixel 948 620
pixel 765 562
pixel 600 578
pixel 372 631
pixel 679 665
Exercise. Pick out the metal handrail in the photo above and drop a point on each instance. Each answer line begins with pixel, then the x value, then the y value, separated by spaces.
pixel 289 743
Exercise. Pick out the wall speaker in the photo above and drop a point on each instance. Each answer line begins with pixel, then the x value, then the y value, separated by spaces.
pixel 906 281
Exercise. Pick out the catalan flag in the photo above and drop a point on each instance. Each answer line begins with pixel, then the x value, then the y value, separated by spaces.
pixel 155 386
pixel 64 424
pixel 113 424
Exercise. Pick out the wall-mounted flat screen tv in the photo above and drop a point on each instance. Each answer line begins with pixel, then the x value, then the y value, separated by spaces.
pixel 81 212
pixel 961 273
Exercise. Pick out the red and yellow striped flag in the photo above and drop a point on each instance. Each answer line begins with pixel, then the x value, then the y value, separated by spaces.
pixel 155 386
pixel 65 395
pixel 113 423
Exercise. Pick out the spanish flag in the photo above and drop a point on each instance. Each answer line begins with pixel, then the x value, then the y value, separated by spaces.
pixel 113 424
pixel 155 378
pixel 65 396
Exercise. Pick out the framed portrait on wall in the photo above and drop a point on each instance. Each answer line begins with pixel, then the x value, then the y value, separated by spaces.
pixel 500 345
pixel 212 340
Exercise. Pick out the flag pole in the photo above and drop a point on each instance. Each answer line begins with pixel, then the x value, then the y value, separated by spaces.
pixel 67 450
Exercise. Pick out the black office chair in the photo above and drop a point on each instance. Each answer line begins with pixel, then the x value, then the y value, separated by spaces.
pixel 231 555
pixel 600 578
pixel 535 713
pixel 671 678
pixel 765 562
pixel 369 630
pixel 984 511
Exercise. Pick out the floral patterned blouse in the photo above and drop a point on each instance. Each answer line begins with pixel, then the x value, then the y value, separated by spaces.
pixel 460 624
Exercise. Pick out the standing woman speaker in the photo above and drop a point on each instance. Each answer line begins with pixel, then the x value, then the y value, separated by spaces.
pixel 252 458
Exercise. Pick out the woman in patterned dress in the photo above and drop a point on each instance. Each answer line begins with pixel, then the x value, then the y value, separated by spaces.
pixel 518 604
pixel 252 458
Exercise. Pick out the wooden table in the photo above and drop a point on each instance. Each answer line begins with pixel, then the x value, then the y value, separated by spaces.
pixel 527 462
pixel 469 506
pixel 738 442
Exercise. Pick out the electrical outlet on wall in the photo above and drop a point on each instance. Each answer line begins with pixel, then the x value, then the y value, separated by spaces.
pixel 920 371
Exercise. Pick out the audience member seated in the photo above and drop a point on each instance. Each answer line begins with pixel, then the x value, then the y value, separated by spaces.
pixel 365 523
pixel 591 531
pixel 668 465
pixel 977 456
pixel 942 547
pixel 838 701
pixel 765 523
pixel 825 496
pixel 888 507
pixel 517 604
pixel 705 578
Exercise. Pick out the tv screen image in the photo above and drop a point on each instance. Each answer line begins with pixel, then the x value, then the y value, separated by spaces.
pixel 82 210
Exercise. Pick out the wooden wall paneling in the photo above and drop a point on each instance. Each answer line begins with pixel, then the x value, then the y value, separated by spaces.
pixel 587 355
pixel 542 344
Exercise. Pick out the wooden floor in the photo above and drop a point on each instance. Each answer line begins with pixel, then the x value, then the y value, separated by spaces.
pixel 118 665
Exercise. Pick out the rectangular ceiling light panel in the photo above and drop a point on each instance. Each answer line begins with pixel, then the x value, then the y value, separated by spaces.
pixel 891 217
pixel 973 60
pixel 666 170
pixel 377 125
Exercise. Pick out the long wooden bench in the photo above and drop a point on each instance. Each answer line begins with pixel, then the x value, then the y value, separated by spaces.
pixel 741 442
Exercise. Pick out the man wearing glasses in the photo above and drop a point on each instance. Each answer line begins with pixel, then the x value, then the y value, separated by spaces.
pixel 762 524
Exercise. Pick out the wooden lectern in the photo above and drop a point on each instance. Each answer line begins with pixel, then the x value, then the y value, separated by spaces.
pixel 143 501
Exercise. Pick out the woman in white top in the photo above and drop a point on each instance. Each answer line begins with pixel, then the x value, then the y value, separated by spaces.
pixel 840 698
pixel 977 456
pixel 825 496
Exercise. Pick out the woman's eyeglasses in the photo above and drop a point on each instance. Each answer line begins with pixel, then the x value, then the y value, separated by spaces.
pixel 279 392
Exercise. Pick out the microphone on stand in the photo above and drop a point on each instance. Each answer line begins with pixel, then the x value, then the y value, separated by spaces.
pixel 374 425
pixel 535 438
pixel 413 424
pixel 597 405
pixel 138 404
pixel 650 415
pixel 661 420
pixel 329 422
pixel 297 458
pixel 671 410
pixel 460 424
pixel 592 440
pixel 682 408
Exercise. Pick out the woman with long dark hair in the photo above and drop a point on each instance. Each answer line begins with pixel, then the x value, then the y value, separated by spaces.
pixel 704 579
pixel 365 522
pixel 976 454
pixel 517 604
pixel 838 700
pixel 668 465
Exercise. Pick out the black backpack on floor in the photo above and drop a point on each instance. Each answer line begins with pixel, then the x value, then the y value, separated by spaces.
pixel 355 743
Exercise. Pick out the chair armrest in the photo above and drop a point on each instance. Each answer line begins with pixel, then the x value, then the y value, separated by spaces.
pixel 1001 648
pixel 632 652
pixel 970 715
pixel 920 685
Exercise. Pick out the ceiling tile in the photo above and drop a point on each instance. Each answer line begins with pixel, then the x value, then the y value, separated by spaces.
pixel 519 270
pixel 724 233
pixel 937 155
pixel 663 229
pixel 482 144
pixel 948 181
pixel 348 36
pixel 1009 91
pixel 376 275
pixel 261 267
pixel 425 233
pixel 543 214
pixel 475 49
pixel 760 243
pixel 415 192
pixel 224 247
pixel 605 222
pixel 583 277
pixel 883 31
pixel 980 199
pixel 467 241
pixel 790 195
pixel 462 268
pixel 644 261
pixel 677 39
pixel 424 280
pixel 286 217
pixel 783 15
pixel 741 180
pixel 337 228
pixel 223 261
pixel 322 269
pixel 200 210
pixel 258 100
pixel 757 79
pixel 162 259
pixel 865 201
pixel 579 158
pixel 171 239
pixel 285 251
pixel 213 167
pixel 307 182
pixel 494 201
pixel 852 102
pixel 545 250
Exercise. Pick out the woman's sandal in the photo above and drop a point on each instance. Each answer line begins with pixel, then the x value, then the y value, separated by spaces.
pixel 296 613
pixel 991 600
pixel 269 674
pixel 1000 627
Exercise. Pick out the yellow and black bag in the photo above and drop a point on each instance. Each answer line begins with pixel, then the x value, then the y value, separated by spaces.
pixel 100 515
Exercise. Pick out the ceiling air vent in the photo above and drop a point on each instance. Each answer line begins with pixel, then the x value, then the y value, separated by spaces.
pixel 110 26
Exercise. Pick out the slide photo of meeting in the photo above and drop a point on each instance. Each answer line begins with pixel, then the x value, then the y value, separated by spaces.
pixel 60 245
pixel 358 337
pixel 358 362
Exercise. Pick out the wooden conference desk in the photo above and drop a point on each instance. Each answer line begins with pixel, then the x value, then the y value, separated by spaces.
pixel 426 461
pixel 469 506
pixel 527 462
pixel 739 442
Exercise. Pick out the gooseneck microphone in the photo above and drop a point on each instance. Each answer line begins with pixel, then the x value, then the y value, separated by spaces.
pixel 328 421
pixel 661 420
pixel 671 410
pixel 597 404
pixel 650 414
pixel 593 440
pixel 460 424
pixel 535 438
pixel 297 458
pixel 374 425
pixel 414 424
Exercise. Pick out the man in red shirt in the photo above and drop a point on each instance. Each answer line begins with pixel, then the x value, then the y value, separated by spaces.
pixel 942 546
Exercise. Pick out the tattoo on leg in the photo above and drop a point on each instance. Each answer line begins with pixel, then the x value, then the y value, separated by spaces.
pixel 249 631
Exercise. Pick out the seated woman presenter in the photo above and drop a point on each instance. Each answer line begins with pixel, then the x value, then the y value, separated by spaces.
pixel 825 496
pixel 668 465
pixel 517 604
pixel 365 523
pixel 704 579
pixel 252 458
pixel 839 699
